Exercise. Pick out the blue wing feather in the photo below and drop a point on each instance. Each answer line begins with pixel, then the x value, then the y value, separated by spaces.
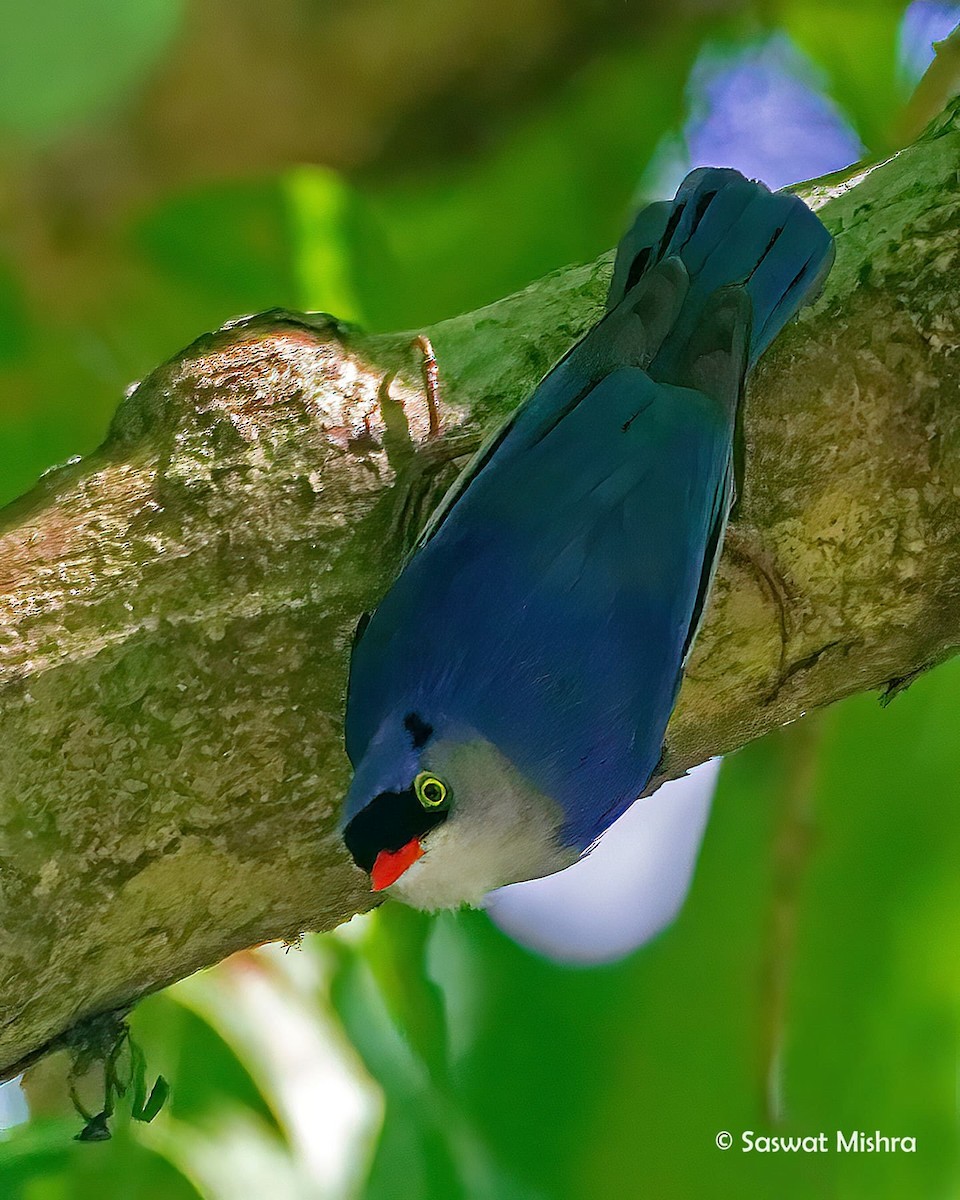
pixel 562 589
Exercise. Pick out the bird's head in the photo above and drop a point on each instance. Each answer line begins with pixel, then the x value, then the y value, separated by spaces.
pixel 441 817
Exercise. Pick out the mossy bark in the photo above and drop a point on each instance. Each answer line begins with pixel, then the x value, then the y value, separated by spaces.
pixel 176 609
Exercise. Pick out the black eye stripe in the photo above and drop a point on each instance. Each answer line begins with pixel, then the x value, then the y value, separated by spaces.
pixel 388 822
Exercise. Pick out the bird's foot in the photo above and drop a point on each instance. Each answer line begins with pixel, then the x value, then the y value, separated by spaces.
pixel 393 409
pixel 431 382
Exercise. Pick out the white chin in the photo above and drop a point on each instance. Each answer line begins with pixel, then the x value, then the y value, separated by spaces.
pixel 428 886
pixel 456 871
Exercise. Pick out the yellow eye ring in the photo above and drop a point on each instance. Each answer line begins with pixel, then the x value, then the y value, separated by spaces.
pixel 431 791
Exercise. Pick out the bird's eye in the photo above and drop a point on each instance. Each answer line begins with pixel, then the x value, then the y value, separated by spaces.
pixel 431 791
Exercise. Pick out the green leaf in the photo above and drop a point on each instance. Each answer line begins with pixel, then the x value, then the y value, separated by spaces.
pixel 856 46
pixel 142 1107
pixel 42 1140
pixel 201 1071
pixel 369 1024
pixel 396 952
pixel 873 1037
pixel 323 212
pixel 138 1078
pixel 155 1101
pixel 41 1161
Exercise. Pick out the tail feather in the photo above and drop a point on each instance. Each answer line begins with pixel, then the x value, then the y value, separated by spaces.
pixel 636 250
pixel 790 275
pixel 722 191
pixel 727 231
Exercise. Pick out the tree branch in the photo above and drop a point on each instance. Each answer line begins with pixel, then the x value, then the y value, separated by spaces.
pixel 176 609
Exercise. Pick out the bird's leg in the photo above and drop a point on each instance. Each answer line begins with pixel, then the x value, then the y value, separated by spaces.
pixel 431 382
pixel 435 450
pixel 394 414
pixel 417 466
pixel 401 452
pixel 439 450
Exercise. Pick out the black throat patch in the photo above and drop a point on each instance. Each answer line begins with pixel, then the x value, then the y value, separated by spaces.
pixel 388 822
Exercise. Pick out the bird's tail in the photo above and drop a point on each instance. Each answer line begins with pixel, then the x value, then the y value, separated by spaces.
pixel 728 232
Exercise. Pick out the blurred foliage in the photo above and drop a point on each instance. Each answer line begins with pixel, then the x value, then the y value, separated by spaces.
pixel 62 62
pixel 90 303
pixel 810 983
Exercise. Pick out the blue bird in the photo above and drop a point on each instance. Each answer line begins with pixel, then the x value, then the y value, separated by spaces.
pixel 508 698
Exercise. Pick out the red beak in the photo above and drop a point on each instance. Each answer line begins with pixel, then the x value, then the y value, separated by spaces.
pixel 390 865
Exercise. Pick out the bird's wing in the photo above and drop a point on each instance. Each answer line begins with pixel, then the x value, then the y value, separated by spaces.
pixel 553 609
pixel 629 335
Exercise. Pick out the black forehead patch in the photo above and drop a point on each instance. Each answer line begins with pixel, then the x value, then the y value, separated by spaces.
pixel 420 732
pixel 388 822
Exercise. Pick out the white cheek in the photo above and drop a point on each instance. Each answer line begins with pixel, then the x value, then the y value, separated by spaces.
pixel 479 848
pixel 443 877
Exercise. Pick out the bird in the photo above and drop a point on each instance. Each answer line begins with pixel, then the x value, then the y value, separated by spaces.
pixel 507 699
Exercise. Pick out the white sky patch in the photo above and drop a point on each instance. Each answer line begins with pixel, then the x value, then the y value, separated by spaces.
pixel 623 893
pixel 761 109
pixel 13 1104
pixel 925 22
